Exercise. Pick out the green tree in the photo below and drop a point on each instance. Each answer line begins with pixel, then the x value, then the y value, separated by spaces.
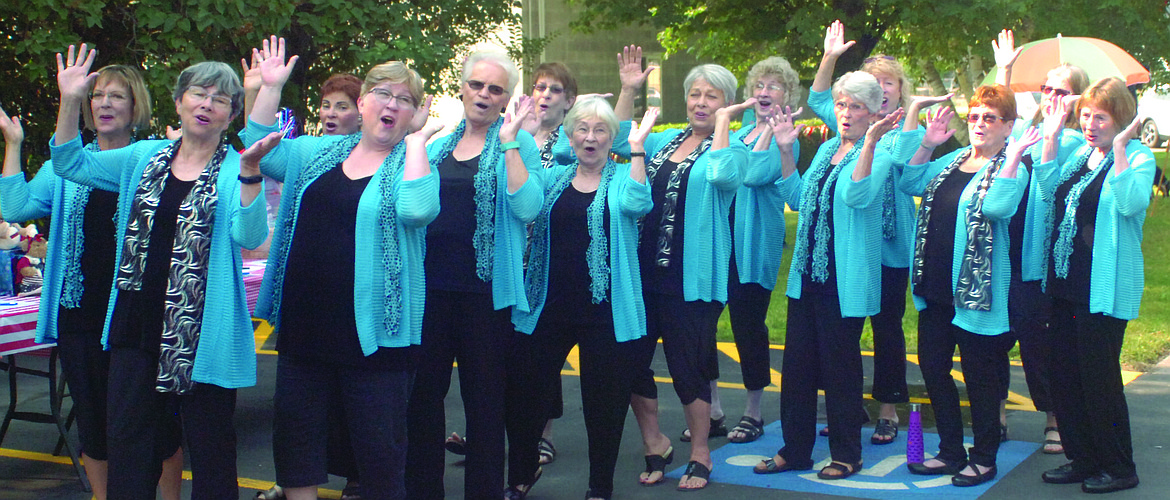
pixel 164 36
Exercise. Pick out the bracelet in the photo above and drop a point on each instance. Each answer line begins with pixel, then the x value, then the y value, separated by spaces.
pixel 639 154
pixel 253 179
pixel 509 145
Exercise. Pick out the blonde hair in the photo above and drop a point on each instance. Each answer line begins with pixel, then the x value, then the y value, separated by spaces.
pixel 1111 96
pixel 779 67
pixel 395 72
pixel 881 64
pixel 139 96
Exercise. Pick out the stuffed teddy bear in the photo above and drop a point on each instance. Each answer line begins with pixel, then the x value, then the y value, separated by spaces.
pixel 30 268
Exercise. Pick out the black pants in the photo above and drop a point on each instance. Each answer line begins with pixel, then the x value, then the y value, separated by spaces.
pixel 605 394
pixel 461 327
pixel 983 360
pixel 1029 310
pixel 889 341
pixel 141 431
pixel 374 403
pixel 687 330
pixel 86 365
pixel 747 307
pixel 1088 390
pixel 820 350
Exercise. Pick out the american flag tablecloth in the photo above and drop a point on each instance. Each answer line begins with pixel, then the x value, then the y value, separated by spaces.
pixel 18 325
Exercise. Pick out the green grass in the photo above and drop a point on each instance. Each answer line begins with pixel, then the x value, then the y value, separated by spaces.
pixel 1146 339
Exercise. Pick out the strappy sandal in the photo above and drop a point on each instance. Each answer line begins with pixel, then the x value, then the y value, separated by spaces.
pixel 885 432
pixel 547 452
pixel 749 430
pixel 845 470
pixel 657 463
pixel 352 491
pixel 520 491
pixel 1052 446
pixel 456 444
pixel 771 467
pixel 695 469
pixel 273 493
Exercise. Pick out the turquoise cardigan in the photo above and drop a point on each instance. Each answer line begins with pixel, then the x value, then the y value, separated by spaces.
pixel 759 213
pixel 513 212
pixel 1035 230
pixel 1117 275
pixel 226 355
pixel 897 252
pixel 418 204
pixel 627 200
pixel 45 194
pixel 711 186
pixel 1000 203
pixel 857 230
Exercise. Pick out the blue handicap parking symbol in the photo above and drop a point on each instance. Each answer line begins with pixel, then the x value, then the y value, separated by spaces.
pixel 884 475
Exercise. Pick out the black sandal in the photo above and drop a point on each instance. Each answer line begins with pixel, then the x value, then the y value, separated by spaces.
pixel 845 469
pixel 717 430
pixel 885 432
pixel 273 493
pixel 750 428
pixel 547 452
pixel 1052 442
pixel 658 463
pixel 696 469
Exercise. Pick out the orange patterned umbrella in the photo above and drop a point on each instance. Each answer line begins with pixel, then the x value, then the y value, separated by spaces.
pixel 1097 57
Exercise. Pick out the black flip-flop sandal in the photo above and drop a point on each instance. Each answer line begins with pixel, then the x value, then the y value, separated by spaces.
pixel 658 463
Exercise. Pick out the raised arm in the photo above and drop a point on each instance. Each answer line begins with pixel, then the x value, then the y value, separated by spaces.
pixel 517 172
pixel 917 104
pixel 250 166
pixel 785 132
pixel 418 165
pixel 638 145
pixel 1055 113
pixel 13 137
pixel 251 82
pixel 1006 54
pixel 723 116
pixel 1015 151
pixel 633 77
pixel 835 45
pixel 872 137
pixel 937 132
pixel 1120 160
pixel 73 79
pixel 274 72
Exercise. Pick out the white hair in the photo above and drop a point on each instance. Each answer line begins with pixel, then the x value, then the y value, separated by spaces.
pixel 862 87
pixel 716 75
pixel 497 58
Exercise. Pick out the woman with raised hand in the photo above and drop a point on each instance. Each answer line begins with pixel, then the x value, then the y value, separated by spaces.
pixel 591 297
pixel 834 282
pixel 1030 309
pixel 1099 197
pixel 961 273
pixel 361 201
pixel 684 250
pixel 80 260
pixel 897 244
pixel 757 222
pixel 178 329
pixel 475 276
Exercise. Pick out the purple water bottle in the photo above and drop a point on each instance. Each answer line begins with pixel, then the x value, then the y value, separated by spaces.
pixel 914 451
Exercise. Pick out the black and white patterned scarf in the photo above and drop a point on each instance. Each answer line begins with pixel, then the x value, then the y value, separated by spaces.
pixel 187 275
pixel 547 159
pixel 973 290
pixel 670 198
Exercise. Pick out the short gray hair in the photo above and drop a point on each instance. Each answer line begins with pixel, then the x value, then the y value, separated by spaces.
pixel 780 68
pixel 860 86
pixel 716 75
pixel 497 58
pixel 591 107
pixel 209 73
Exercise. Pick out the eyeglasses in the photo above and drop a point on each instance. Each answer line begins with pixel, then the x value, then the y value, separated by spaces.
pixel 772 87
pixel 854 107
pixel 477 86
pixel 384 97
pixel 875 58
pixel 115 97
pixel 1044 89
pixel 540 87
pixel 221 101
pixel 988 118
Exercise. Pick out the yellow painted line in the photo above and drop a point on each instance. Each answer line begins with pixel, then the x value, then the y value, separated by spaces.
pixel 243 481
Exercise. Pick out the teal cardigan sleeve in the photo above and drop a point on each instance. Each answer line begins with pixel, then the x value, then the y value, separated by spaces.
pixel 22 200
pixel 101 170
pixel 821 104
pixel 526 201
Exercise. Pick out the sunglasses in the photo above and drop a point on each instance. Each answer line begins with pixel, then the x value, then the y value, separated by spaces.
pixel 1044 89
pixel 875 58
pixel 987 118
pixel 477 86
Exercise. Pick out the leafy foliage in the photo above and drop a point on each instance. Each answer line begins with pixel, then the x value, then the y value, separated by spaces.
pixel 165 36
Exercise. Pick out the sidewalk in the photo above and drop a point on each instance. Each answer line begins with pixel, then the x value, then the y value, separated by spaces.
pixel 28 472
